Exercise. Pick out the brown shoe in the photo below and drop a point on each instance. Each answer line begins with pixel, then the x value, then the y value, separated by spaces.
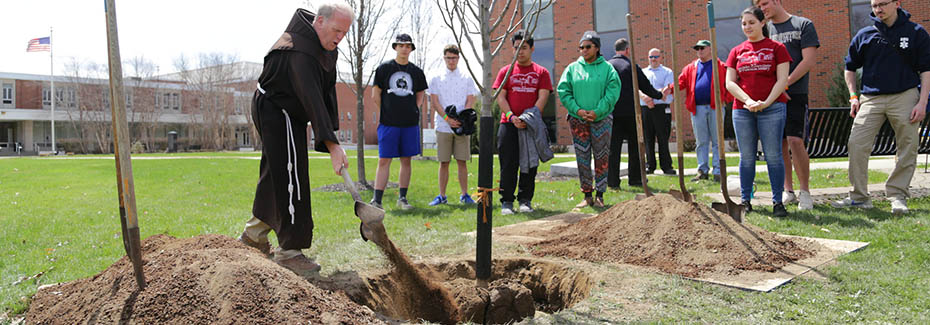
pixel 598 202
pixel 299 264
pixel 264 248
pixel 585 203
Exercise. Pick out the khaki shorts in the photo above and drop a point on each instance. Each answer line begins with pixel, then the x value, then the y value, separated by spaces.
pixel 449 144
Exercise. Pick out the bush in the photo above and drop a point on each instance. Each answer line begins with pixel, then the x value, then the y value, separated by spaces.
pixel 837 93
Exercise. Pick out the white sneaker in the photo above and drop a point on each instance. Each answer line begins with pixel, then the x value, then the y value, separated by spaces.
pixel 788 197
pixel 526 207
pixel 849 203
pixel 898 206
pixel 804 200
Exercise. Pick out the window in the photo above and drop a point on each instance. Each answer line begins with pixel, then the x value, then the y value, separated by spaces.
pixel 168 101
pixel 7 93
pixel 65 97
pixel 859 11
pixel 729 31
pixel 46 97
pixel 610 23
pixel 543 41
pixel 349 116
pixel 106 98
pixel 129 99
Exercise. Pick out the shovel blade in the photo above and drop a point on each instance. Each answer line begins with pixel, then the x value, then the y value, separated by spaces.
pixel 734 210
pixel 372 226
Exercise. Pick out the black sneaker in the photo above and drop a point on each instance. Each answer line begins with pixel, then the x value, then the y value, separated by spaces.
pixel 779 210
pixel 748 206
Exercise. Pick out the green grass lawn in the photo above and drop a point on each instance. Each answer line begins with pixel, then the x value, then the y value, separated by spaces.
pixel 60 217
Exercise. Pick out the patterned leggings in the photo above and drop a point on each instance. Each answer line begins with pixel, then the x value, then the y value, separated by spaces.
pixel 591 138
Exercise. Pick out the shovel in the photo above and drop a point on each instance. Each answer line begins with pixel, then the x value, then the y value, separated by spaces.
pixel 639 113
pixel 372 217
pixel 676 108
pixel 729 207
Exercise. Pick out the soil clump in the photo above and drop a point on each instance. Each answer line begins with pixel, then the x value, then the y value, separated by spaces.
pixel 677 237
pixel 208 279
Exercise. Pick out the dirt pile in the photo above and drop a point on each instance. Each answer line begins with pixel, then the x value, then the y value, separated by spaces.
pixel 209 279
pixel 677 237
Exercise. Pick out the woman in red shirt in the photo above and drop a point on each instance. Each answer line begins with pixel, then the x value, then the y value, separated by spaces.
pixel 757 74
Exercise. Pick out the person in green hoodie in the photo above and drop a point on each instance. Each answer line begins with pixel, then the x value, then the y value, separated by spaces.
pixel 589 88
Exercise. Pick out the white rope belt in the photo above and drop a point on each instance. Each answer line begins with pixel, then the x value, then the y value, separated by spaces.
pixel 292 176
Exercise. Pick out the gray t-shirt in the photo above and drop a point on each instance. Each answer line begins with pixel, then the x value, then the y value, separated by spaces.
pixel 796 33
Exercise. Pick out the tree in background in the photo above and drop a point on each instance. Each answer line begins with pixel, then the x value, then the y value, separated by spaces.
pixel 212 115
pixel 486 26
pixel 141 89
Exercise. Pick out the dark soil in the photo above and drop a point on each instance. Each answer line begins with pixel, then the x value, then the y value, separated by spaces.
pixel 688 239
pixel 209 279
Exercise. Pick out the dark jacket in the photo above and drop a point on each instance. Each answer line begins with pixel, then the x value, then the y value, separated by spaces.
pixel 883 70
pixel 624 106
pixel 299 75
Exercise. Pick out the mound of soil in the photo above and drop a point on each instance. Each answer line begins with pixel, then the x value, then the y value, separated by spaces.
pixel 677 237
pixel 209 279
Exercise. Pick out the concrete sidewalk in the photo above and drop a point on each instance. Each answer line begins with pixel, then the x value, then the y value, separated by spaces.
pixel 920 183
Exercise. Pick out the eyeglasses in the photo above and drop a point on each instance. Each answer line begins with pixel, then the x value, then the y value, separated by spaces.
pixel 653 56
pixel 451 58
pixel 585 47
pixel 881 4
pixel 698 48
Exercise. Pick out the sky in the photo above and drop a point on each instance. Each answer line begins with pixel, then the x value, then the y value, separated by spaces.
pixel 159 30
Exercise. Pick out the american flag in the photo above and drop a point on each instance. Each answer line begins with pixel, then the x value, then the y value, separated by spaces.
pixel 41 44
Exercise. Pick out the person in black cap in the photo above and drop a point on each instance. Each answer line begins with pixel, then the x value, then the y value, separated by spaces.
pixel 624 127
pixel 297 86
pixel 398 92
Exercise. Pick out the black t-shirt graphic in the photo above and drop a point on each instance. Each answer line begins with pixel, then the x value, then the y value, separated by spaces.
pixel 399 85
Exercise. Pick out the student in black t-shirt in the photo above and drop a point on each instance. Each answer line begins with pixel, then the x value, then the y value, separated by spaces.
pixel 398 91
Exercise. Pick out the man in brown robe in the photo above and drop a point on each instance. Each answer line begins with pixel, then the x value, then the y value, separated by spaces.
pixel 297 86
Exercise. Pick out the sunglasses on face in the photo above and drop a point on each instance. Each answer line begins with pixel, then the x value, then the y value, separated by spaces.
pixel 653 56
pixel 698 48
pixel 585 47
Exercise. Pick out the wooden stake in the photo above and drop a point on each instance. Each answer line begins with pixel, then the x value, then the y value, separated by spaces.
pixel 125 186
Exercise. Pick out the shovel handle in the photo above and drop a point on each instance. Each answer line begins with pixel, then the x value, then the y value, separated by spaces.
pixel 350 185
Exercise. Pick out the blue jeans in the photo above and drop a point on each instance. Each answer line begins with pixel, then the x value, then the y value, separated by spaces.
pixel 704 124
pixel 767 126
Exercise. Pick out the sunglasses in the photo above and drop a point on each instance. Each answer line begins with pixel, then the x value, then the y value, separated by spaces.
pixel 698 48
pixel 653 56
pixel 585 47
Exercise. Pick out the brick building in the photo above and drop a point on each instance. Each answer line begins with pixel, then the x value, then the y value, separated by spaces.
pixel 562 25
pixel 182 102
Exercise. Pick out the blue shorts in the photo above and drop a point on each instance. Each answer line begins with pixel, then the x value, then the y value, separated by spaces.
pixel 398 141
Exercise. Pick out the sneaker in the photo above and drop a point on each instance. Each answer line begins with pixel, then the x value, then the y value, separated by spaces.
pixel 650 171
pixel 672 172
pixel 700 176
pixel 779 210
pixel 598 202
pixel 375 204
pixel 898 206
pixel 466 199
pixel 849 203
pixel 804 200
pixel 299 264
pixel 264 248
pixel 506 208
pixel 526 207
pixel 789 197
pixel 439 199
pixel 403 204
pixel 717 178
pixel 747 205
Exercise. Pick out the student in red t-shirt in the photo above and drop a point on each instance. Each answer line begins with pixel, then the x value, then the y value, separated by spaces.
pixel 757 75
pixel 528 86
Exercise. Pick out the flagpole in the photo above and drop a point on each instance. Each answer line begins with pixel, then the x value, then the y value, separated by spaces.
pixel 51 55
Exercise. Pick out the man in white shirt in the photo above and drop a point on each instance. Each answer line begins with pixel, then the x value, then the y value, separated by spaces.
pixel 657 116
pixel 451 87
